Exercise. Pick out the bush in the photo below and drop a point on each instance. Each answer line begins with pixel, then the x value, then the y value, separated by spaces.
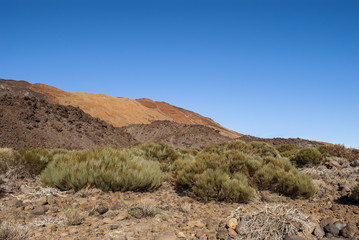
pixel 103 168
pixel 215 184
pixel 263 149
pixel 290 183
pixel 340 151
pixel 35 161
pixel 8 158
pixel 288 150
pixel 73 216
pixel 355 193
pixel 309 156
pixel 238 145
pixel 9 231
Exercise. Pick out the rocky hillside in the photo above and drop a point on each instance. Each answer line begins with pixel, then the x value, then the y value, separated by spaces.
pixel 27 119
pixel 119 111
pixel 177 134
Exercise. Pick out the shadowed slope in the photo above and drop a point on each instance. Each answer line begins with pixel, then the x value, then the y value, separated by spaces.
pixel 124 111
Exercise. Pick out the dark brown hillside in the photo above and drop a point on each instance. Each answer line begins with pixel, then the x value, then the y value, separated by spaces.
pixel 303 143
pixel 178 134
pixel 28 120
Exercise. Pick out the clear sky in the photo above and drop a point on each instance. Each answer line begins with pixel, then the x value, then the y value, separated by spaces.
pixel 267 68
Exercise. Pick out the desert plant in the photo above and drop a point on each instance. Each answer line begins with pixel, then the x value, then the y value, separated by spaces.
pixel 288 150
pixel 338 150
pixel 8 158
pixel 103 168
pixel 35 160
pixel 263 149
pixel 73 216
pixel 148 206
pixel 238 145
pixel 10 231
pixel 273 222
pixel 309 156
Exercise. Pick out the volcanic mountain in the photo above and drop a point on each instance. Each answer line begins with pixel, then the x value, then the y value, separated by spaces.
pixel 119 111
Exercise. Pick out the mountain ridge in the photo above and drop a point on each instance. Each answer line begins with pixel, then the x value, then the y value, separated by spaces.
pixel 122 111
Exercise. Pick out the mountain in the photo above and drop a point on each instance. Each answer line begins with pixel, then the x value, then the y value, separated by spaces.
pixel 119 111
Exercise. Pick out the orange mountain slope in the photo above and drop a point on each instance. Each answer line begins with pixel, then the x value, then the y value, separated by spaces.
pixel 124 111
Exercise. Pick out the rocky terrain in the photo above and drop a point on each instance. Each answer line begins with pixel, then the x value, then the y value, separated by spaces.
pixel 47 213
pixel 119 111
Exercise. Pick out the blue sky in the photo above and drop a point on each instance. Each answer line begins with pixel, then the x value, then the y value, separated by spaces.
pixel 267 68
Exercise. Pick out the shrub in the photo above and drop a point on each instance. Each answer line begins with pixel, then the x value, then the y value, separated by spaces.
pixel 290 183
pixel 8 157
pixel 73 216
pixel 36 160
pixel 338 150
pixel 263 149
pixel 148 206
pixel 9 231
pixel 161 152
pixel 288 150
pixel 238 145
pixel 355 193
pixel 103 168
pixel 309 156
pixel 215 184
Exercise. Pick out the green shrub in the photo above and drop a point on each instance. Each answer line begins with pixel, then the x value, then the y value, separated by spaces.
pixel 355 193
pixel 263 149
pixel 290 183
pixel 215 184
pixel 36 160
pixel 309 156
pixel 103 168
pixel 160 152
pixel 8 157
pixel 338 150
pixel 288 150
pixel 238 145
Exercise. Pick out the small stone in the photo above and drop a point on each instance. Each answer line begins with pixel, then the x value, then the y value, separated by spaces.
pixel 332 229
pixel 167 236
pixel 200 224
pixel 349 231
pixel 232 233
pixel 102 209
pixel 222 234
pixel 122 215
pixel 191 224
pixel 326 221
pixel 107 221
pixel 40 210
pixel 115 207
pixel 25 189
pixel 355 163
pixel 181 235
pixel 345 165
pixel 114 227
pixel 18 204
pixel 340 225
pixel 293 237
pixel 232 223
pixel 318 232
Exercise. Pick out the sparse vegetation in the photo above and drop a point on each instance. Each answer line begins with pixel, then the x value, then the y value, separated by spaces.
pixel 73 216
pixel 288 150
pixel 308 156
pixel 148 206
pixel 103 168
pixel 10 231
pixel 338 150
pixel 8 158
pixel 223 173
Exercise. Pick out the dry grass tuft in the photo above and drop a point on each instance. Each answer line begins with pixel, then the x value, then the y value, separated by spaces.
pixel 273 222
pixel 73 216
pixel 9 231
pixel 148 206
